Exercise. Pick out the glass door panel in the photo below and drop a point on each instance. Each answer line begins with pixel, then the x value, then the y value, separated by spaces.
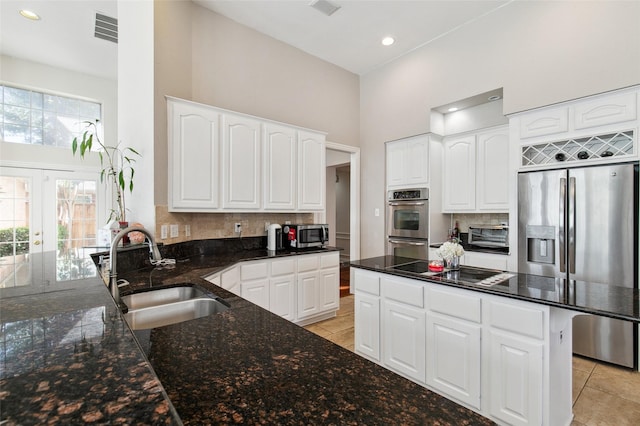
pixel 20 224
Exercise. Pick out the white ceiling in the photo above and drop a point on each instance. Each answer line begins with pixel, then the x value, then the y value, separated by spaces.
pixel 350 38
pixel 62 38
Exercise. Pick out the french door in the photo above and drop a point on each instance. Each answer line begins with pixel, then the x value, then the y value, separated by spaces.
pixel 48 211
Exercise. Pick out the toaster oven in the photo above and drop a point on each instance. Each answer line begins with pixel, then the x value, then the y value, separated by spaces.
pixel 496 236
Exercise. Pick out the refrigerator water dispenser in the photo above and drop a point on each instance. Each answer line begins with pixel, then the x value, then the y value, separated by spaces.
pixel 541 244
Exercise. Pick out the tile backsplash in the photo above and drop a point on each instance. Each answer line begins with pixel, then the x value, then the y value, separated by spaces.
pixel 220 225
pixel 464 220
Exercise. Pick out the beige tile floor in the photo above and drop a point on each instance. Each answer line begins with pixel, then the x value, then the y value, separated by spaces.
pixel 602 395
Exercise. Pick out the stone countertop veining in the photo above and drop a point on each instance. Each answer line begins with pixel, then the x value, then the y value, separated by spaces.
pixel 591 298
pixel 69 358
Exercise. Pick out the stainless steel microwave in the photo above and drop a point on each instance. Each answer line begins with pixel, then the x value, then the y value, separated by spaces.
pixel 489 236
pixel 305 236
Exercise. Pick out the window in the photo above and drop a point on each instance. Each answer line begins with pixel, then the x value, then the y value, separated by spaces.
pixel 36 118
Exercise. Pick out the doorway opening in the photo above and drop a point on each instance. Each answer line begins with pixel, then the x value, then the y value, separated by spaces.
pixel 342 211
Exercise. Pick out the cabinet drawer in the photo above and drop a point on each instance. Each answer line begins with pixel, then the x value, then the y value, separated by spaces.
pixel 252 271
pixel 308 263
pixel 330 260
pixel 282 267
pixel 523 320
pixel 455 304
pixel 403 291
pixel 368 282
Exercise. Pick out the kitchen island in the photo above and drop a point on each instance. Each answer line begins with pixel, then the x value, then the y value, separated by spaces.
pixel 498 343
pixel 69 358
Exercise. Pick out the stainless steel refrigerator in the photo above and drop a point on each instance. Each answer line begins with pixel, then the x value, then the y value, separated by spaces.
pixel 582 224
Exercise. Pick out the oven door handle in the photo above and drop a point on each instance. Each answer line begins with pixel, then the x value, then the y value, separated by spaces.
pixel 411 243
pixel 408 203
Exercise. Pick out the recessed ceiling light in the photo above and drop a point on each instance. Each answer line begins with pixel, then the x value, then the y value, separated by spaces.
pixel 388 41
pixel 452 109
pixel 494 98
pixel 29 14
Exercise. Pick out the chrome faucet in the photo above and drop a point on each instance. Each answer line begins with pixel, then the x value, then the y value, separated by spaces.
pixel 154 254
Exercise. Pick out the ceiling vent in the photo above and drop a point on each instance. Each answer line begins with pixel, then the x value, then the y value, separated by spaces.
pixel 106 28
pixel 325 7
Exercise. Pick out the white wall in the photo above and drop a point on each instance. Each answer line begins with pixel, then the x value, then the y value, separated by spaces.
pixel 36 76
pixel 136 102
pixel 539 52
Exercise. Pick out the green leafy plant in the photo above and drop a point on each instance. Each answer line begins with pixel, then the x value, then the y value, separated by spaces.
pixel 117 166
pixel 8 239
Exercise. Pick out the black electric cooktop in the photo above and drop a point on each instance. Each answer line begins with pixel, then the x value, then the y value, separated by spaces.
pixel 465 274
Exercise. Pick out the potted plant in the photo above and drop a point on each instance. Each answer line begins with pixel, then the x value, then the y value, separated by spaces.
pixel 117 167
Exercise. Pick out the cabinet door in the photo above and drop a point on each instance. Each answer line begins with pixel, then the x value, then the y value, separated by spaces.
pixel 307 286
pixel 230 280
pixel 282 296
pixel 459 177
pixel 241 162
pixel 329 289
pixel 453 357
pixel 395 163
pixel 367 326
pixel 404 336
pixel 311 171
pixel 515 382
pixel 256 292
pixel 408 162
pixel 417 162
pixel 279 167
pixel 193 157
pixel 608 109
pixel 492 189
pixel 545 121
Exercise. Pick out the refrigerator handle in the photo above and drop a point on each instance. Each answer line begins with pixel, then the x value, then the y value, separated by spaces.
pixel 572 225
pixel 562 204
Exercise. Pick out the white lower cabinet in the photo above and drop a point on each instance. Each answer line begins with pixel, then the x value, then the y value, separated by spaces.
pixel 303 289
pixel 229 279
pixel 367 320
pixel 282 284
pixel 366 287
pixel 404 339
pixel 318 284
pixel 508 359
pixel 515 383
pixel 453 358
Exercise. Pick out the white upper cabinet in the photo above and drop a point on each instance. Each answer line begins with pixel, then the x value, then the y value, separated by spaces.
pixel 408 162
pixel 459 176
pixel 193 156
pixel 476 172
pixel 492 188
pixel 311 171
pixel 240 162
pixel 604 110
pixel 545 122
pixel 251 163
pixel 280 143
pixel 598 129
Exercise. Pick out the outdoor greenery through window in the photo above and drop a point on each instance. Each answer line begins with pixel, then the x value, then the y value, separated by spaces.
pixel 32 117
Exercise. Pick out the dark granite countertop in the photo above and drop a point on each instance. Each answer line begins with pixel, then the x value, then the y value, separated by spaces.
pixel 591 298
pixel 69 358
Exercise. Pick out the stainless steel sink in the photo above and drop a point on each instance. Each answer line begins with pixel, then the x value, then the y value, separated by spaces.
pixel 173 312
pixel 162 296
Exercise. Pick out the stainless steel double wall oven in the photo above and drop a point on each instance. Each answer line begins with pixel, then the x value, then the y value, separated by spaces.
pixel 408 223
